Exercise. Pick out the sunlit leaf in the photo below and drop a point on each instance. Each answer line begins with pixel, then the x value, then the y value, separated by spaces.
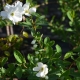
pixel 25 34
pixel 58 49
pixel 18 56
pixel 68 54
pixel 4 60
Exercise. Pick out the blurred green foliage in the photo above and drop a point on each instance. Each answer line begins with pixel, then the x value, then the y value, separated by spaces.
pixel 60 67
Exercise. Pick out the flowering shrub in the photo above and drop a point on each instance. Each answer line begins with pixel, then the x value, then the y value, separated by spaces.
pixel 45 62
pixel 15 12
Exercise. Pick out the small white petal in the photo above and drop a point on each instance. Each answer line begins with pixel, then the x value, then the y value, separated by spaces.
pixel 32 10
pixel 18 3
pixel 26 6
pixel 38 74
pixel 36 68
pixel 45 66
pixel 45 70
pixel 42 74
pixel 4 14
pixel 40 64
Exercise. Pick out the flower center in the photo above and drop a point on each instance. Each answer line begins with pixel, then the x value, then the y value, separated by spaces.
pixel 41 69
pixel 26 11
pixel 12 14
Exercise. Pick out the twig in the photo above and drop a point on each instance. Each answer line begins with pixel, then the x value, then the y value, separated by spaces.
pixel 3 3
pixel 71 65
pixel 7 29
pixel 11 30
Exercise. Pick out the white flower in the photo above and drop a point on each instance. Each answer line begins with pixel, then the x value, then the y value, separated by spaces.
pixel 28 11
pixel 42 69
pixel 13 12
pixel 6 9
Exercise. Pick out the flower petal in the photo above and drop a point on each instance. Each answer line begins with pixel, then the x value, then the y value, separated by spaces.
pixel 17 18
pixel 26 6
pixel 7 7
pixel 45 66
pixel 36 68
pixel 45 71
pixel 32 10
pixel 40 64
pixel 10 17
pixel 18 3
pixel 18 9
pixel 4 14
pixel 40 74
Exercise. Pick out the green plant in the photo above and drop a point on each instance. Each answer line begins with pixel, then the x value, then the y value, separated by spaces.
pixel 44 63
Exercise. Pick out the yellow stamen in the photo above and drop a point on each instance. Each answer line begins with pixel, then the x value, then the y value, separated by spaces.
pixel 26 11
pixel 12 14
pixel 42 69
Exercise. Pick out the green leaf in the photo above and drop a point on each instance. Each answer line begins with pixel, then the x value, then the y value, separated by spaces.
pixel 30 58
pixel 70 23
pixel 46 40
pixel 12 37
pixel 71 15
pixel 28 1
pixel 51 43
pixel 18 56
pixel 66 73
pixel 58 49
pixel 7 53
pixel 26 24
pixel 49 50
pixel 77 49
pixel 3 70
pixel 4 60
pixel 69 30
pixel 68 54
pixel 10 69
pixel 41 22
pixel 42 17
pixel 18 72
pixel 78 63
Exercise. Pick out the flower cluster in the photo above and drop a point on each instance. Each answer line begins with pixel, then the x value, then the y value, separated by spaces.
pixel 42 70
pixel 15 11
